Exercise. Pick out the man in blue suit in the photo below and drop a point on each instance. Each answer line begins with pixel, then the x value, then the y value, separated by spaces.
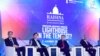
pixel 36 43
pixel 63 45
pixel 12 42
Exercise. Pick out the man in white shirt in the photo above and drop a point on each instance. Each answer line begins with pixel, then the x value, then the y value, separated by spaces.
pixel 12 42
pixel 36 43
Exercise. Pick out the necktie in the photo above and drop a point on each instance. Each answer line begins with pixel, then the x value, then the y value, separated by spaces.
pixel 38 44
pixel 86 42
pixel 63 45
pixel 12 41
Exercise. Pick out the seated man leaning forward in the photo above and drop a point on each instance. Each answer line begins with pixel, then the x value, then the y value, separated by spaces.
pixel 36 43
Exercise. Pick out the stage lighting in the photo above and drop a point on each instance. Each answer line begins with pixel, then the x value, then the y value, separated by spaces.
pixel 4 4
pixel 99 33
pixel 0 25
pixel 91 3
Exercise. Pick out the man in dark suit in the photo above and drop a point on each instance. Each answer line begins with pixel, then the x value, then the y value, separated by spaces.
pixel 64 46
pixel 12 42
pixel 36 43
pixel 88 47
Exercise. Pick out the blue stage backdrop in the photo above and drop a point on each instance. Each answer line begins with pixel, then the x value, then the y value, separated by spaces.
pixel 51 18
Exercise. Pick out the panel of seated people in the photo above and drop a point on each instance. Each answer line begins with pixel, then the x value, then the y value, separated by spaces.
pixel 53 51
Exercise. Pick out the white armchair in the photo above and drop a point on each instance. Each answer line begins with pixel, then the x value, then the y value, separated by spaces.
pixel 75 49
pixel 85 52
pixel 54 51
pixel 30 51
pixel 62 54
pixel 33 51
pixel 10 51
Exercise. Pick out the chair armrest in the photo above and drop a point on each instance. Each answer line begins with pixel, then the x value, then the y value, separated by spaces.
pixel 10 51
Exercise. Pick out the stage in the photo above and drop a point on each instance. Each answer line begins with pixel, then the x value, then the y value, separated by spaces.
pixel 51 19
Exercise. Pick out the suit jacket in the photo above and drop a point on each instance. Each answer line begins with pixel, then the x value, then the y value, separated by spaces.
pixel 85 45
pixel 33 43
pixel 8 42
pixel 60 45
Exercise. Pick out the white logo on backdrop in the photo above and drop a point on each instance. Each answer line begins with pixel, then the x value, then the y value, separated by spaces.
pixel 55 17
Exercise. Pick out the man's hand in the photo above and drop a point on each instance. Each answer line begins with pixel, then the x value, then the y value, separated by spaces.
pixel 15 46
